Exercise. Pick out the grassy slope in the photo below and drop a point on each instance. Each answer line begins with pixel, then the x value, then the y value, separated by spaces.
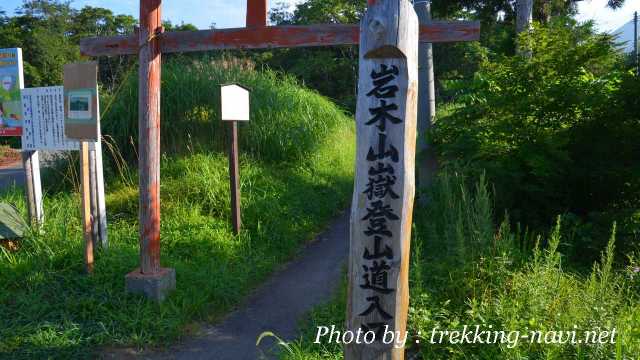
pixel 464 272
pixel 296 174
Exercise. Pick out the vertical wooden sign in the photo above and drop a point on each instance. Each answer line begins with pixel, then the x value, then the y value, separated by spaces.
pixel 382 208
pixel 82 116
pixel 82 122
pixel 234 107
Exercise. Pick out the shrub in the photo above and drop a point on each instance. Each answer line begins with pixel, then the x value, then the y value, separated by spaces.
pixel 555 132
pixel 287 121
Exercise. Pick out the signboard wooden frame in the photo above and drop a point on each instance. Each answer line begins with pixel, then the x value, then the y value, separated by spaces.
pixel 81 101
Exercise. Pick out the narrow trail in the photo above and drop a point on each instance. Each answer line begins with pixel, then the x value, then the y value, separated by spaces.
pixel 276 306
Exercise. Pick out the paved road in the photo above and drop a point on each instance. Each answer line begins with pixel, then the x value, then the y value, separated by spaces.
pixel 277 306
pixel 11 175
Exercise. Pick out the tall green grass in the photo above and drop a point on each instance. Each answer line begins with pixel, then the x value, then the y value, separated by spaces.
pixel 465 271
pixel 50 309
pixel 287 122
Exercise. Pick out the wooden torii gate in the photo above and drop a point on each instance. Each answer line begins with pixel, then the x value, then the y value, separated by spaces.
pixel 151 41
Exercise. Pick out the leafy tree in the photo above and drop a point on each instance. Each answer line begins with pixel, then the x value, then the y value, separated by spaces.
pixel 332 71
pixel 544 127
pixel 169 26
pixel 49 32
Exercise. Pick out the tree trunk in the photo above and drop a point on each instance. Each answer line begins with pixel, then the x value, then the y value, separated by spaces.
pixel 427 161
pixel 524 17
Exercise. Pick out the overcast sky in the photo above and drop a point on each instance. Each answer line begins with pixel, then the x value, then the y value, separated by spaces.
pixel 231 13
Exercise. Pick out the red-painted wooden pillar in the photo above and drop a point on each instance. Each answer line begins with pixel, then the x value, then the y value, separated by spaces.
pixel 149 136
pixel 256 13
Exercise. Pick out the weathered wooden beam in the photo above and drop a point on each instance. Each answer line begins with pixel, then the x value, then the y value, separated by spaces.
pixel 270 37
pixel 256 13
pixel 149 135
pixel 234 177
pixel 33 187
pixel 87 220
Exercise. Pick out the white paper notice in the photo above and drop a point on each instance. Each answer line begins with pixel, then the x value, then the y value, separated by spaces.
pixel 43 112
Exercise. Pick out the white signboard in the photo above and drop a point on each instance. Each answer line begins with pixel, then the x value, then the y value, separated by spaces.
pixel 234 103
pixel 43 111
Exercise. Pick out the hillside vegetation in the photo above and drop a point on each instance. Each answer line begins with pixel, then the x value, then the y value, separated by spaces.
pixel 296 174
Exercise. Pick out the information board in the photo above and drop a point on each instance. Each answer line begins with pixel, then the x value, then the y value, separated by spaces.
pixel 11 81
pixel 81 104
pixel 43 128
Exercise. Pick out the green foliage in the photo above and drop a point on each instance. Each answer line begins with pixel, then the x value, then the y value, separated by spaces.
pixel 463 272
pixel 498 286
pixel 49 31
pixel 543 127
pixel 330 70
pixel 284 125
pixel 50 309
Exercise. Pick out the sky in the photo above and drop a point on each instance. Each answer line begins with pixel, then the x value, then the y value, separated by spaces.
pixel 231 13
pixel 202 13
pixel 605 18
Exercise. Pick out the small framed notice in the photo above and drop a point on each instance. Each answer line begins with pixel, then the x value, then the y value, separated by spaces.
pixel 43 129
pixel 234 102
pixel 81 101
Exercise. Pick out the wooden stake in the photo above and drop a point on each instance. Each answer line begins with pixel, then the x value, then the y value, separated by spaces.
pixel 93 188
pixel 87 226
pixel 149 135
pixel 382 208
pixel 33 187
pixel 234 177
pixel 102 208
pixel 98 207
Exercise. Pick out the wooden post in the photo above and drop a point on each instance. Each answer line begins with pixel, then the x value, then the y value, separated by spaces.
pixel 95 225
pixel 98 207
pixel 149 135
pixel 256 13
pixel 101 205
pixel 234 107
pixel 428 163
pixel 87 225
pixel 150 279
pixel 381 213
pixel 33 187
pixel 426 78
pixel 234 177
